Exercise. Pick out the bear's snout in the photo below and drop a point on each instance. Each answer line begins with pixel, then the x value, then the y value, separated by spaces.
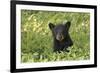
pixel 59 37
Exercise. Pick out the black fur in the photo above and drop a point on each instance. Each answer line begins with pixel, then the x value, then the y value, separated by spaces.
pixel 61 36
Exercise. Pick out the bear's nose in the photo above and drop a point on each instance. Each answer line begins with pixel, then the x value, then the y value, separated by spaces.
pixel 60 37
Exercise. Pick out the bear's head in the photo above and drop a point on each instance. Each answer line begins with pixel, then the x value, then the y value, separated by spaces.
pixel 60 31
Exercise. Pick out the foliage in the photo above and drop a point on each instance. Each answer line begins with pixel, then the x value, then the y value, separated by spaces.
pixel 36 37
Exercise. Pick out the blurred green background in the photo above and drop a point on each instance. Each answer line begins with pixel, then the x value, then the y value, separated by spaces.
pixel 37 40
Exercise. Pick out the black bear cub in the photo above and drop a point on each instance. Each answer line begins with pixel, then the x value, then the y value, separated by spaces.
pixel 61 36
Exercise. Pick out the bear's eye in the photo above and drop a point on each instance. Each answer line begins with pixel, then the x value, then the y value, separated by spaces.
pixel 58 32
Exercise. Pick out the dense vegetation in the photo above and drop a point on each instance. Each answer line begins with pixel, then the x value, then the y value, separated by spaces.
pixel 36 37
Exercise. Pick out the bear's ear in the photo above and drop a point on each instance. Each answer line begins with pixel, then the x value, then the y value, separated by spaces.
pixel 51 26
pixel 67 25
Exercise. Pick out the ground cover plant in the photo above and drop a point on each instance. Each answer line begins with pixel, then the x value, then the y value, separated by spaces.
pixel 36 37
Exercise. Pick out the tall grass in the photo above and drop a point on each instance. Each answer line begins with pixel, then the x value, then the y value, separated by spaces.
pixel 36 37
